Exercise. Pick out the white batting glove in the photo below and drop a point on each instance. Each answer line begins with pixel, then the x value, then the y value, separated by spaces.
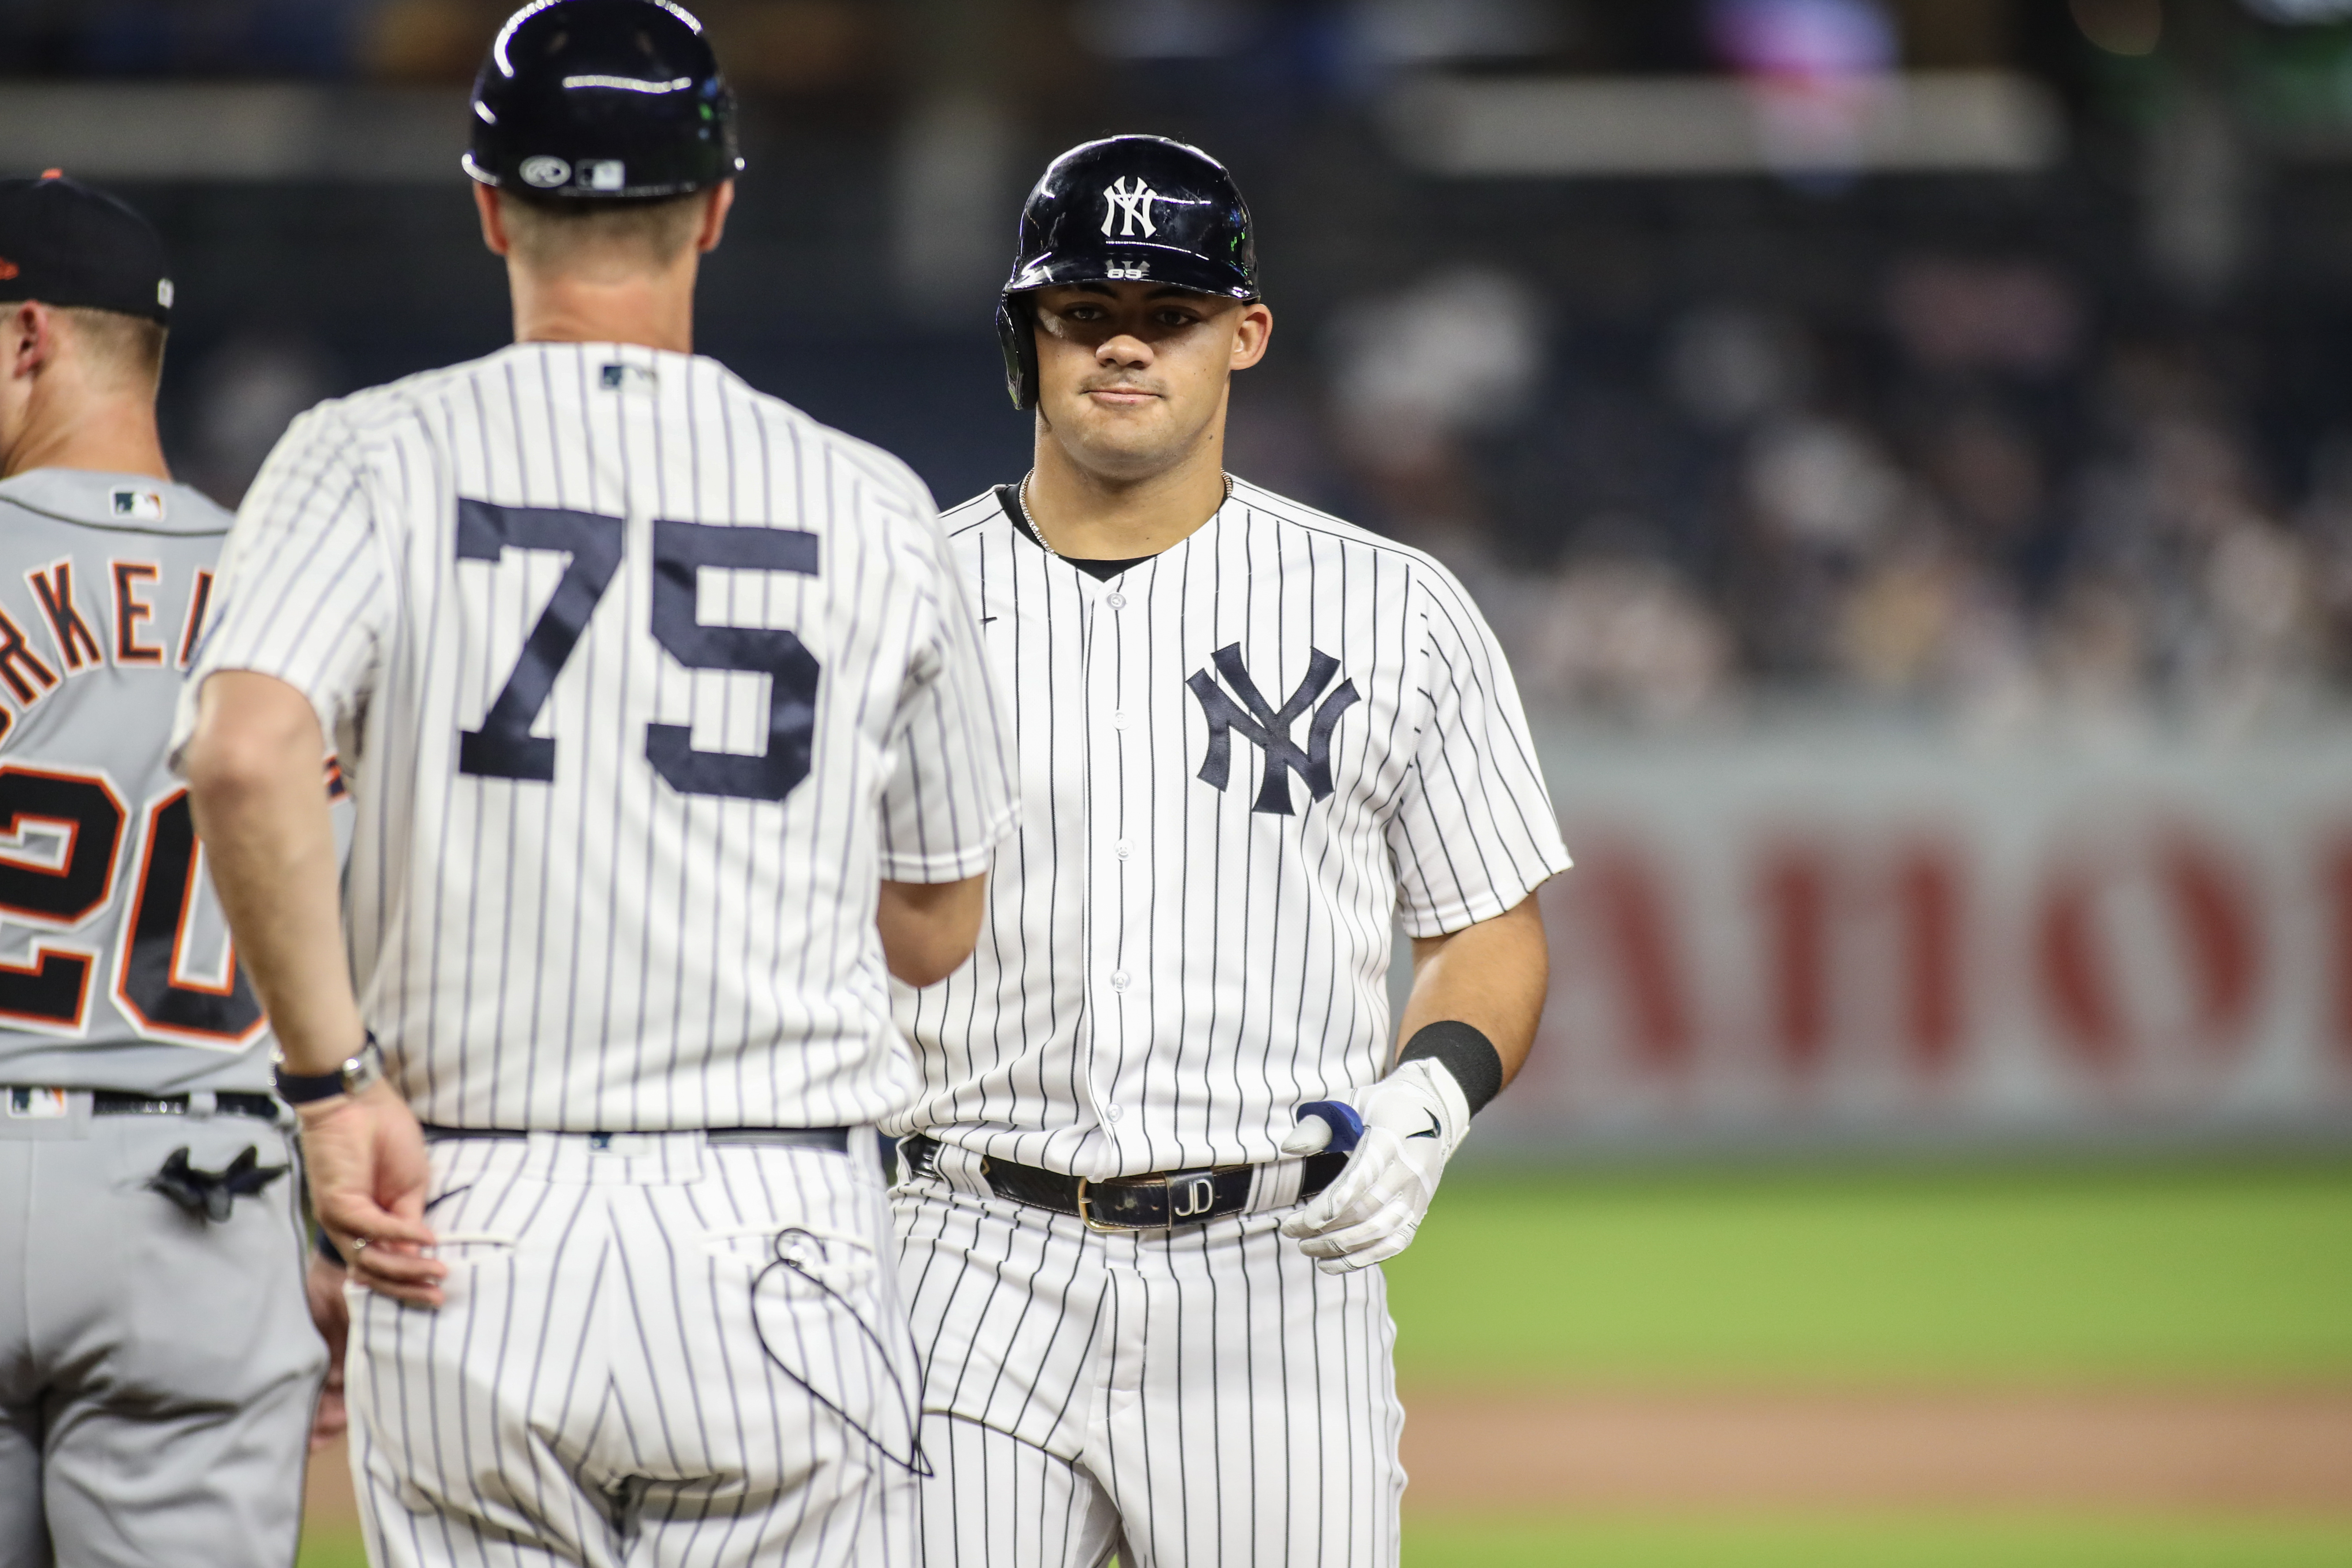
pixel 1413 1121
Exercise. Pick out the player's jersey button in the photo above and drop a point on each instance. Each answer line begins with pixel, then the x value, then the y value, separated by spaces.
pixel 1115 601
pixel 1121 849
pixel 1118 978
pixel 1112 1112
pixel 1118 719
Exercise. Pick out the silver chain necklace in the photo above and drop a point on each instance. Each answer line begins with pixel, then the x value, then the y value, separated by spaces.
pixel 1021 495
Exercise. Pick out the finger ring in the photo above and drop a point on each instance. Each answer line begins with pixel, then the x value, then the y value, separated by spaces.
pixel 358 1245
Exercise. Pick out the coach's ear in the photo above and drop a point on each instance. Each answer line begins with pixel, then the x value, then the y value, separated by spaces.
pixel 28 337
pixel 716 204
pixel 494 222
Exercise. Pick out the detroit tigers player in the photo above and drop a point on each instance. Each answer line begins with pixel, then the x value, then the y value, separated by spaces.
pixel 1249 737
pixel 157 1369
pixel 669 734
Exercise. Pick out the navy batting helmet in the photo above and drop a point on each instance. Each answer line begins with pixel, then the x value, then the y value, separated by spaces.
pixel 1125 207
pixel 601 100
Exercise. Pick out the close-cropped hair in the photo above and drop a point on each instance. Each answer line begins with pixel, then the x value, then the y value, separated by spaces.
pixel 125 349
pixel 572 235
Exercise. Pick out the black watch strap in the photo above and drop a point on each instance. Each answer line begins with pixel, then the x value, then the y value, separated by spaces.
pixel 363 1068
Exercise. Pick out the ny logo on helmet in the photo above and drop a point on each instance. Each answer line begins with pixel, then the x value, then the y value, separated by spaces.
pixel 1128 203
pixel 1269 730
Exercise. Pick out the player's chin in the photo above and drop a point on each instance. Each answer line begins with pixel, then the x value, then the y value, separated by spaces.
pixel 1128 436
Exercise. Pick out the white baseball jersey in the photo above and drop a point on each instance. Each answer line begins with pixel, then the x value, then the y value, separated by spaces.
pixel 1240 761
pixel 643 681
pixel 114 960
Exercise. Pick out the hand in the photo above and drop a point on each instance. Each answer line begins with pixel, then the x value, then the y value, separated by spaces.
pixel 324 1285
pixel 1413 1121
pixel 365 1159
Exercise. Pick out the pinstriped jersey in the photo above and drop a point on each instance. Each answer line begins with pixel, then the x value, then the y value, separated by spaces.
pixel 641 682
pixel 114 960
pixel 1242 761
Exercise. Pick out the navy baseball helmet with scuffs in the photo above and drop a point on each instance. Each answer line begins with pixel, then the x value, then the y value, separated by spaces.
pixel 1131 208
pixel 601 100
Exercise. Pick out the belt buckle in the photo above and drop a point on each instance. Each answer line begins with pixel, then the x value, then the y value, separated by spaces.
pixel 1086 1214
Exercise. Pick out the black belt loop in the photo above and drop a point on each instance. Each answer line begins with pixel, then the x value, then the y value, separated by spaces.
pixel 1160 1201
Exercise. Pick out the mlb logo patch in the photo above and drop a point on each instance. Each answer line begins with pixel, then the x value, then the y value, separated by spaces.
pixel 139 506
pixel 37 1104
pixel 602 173
pixel 627 378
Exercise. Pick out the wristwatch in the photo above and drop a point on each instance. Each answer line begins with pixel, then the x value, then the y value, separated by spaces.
pixel 354 1077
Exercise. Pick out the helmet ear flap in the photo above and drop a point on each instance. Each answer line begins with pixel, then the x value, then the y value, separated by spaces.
pixel 1016 334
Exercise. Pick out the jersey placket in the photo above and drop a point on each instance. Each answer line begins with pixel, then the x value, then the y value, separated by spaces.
pixel 1117 967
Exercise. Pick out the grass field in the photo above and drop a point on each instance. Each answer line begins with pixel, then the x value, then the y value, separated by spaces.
pixel 2113 1274
pixel 2130 1276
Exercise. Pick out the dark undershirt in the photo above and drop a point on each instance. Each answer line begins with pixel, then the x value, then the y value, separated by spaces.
pixel 1009 497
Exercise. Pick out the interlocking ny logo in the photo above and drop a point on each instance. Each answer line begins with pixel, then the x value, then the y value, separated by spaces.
pixel 1268 730
pixel 1131 200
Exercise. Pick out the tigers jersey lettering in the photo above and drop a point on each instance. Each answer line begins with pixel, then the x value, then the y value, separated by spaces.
pixel 116 968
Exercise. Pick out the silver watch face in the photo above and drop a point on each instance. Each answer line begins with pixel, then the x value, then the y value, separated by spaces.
pixel 363 1069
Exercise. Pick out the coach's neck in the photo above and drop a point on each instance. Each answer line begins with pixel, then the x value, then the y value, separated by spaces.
pixel 594 287
pixel 66 402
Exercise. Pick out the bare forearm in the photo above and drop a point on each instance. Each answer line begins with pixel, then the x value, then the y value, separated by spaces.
pixel 260 807
pixel 1491 976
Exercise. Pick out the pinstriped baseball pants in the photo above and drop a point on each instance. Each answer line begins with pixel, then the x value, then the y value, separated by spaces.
pixel 1194 1398
pixel 607 1383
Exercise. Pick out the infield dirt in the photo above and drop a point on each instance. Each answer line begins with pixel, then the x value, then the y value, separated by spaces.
pixel 2269 1451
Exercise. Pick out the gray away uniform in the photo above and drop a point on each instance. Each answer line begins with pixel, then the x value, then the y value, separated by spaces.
pixel 158 1368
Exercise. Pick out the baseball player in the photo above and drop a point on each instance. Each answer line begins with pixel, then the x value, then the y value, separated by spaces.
pixel 157 1367
pixel 669 740
pixel 1250 736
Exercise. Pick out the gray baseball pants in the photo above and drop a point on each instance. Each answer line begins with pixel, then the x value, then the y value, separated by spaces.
pixel 157 1369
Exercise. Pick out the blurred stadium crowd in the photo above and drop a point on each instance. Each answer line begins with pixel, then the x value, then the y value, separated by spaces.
pixel 2067 442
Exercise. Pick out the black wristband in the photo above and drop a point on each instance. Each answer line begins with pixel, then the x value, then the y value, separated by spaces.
pixel 1469 1056
pixel 325 1248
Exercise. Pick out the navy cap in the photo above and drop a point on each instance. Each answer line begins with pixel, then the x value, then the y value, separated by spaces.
pixel 65 243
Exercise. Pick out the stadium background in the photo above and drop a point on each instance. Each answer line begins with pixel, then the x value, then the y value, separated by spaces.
pixel 1906 449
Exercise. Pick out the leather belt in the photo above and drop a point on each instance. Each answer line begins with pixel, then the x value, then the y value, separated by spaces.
pixel 834 1138
pixel 1157 1201
pixel 117 1102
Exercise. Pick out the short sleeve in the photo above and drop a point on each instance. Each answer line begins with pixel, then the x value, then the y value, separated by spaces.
pixel 303 592
pixel 950 795
pixel 1473 832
